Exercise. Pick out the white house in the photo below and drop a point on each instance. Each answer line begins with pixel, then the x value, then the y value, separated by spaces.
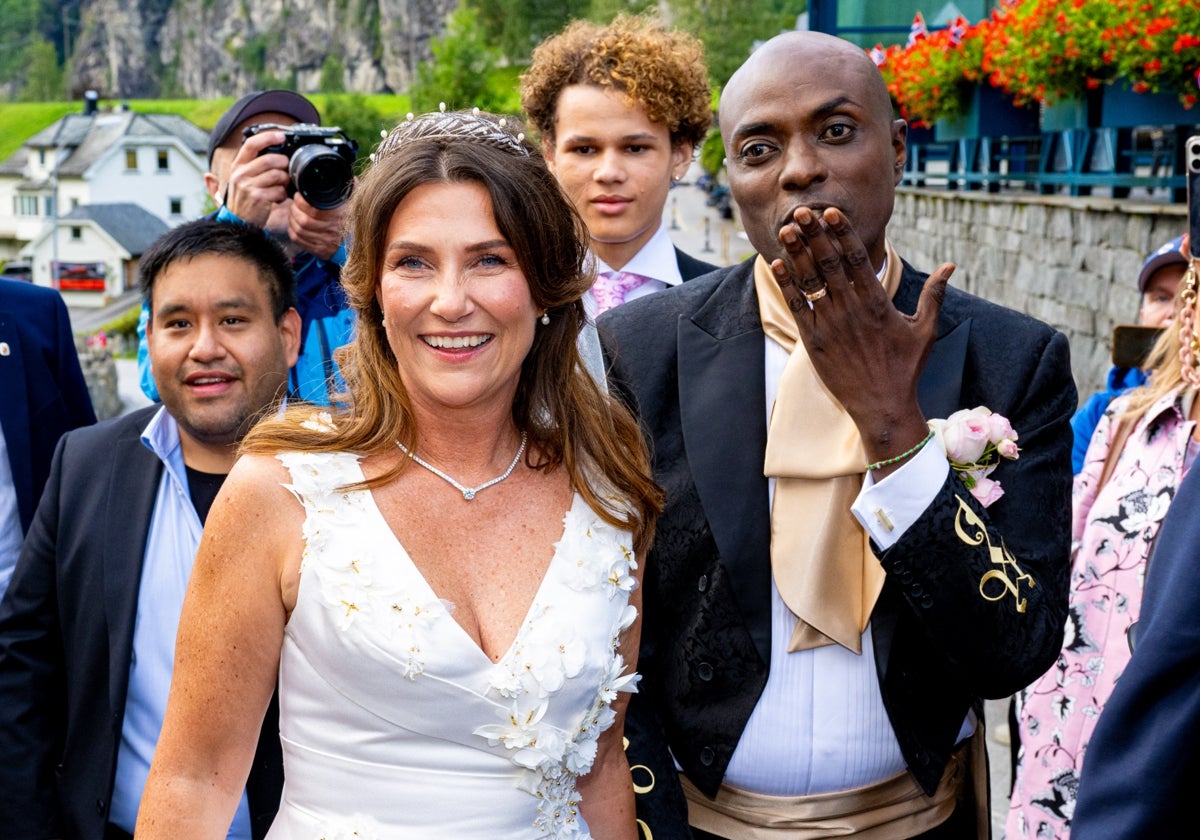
pixel 96 252
pixel 156 161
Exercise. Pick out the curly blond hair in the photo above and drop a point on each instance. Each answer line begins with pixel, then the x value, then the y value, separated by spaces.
pixel 660 69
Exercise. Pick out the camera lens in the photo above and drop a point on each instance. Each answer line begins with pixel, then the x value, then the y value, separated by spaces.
pixel 321 175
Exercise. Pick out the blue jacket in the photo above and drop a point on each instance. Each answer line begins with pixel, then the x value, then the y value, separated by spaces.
pixel 42 390
pixel 326 323
pixel 1083 424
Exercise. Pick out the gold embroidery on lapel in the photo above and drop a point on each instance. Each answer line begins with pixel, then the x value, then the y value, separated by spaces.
pixel 999 557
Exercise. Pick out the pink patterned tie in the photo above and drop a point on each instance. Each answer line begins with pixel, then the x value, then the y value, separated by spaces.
pixel 611 287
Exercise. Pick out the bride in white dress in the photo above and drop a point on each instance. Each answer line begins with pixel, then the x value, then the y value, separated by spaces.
pixel 442 574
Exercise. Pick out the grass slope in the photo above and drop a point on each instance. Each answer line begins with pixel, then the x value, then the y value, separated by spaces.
pixel 21 120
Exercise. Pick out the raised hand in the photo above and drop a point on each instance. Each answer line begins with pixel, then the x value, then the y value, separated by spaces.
pixel 868 353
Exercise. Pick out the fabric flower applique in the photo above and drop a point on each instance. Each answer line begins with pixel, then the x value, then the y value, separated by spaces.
pixel 975 440
pixel 603 558
pixel 319 421
pixel 534 745
pixel 409 622
pixel 357 827
pixel 546 653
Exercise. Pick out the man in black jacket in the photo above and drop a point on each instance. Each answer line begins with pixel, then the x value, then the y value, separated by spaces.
pixel 827 603
pixel 87 626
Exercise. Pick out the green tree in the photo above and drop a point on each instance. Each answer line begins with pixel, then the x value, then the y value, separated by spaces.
pixel 355 115
pixel 332 73
pixel 603 11
pixel 43 75
pixel 730 28
pixel 517 26
pixel 712 153
pixel 19 27
pixel 462 62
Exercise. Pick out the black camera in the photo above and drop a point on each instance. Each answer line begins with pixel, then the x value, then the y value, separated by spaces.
pixel 321 161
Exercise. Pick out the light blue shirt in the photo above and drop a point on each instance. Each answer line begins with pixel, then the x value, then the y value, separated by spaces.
pixel 10 518
pixel 170 550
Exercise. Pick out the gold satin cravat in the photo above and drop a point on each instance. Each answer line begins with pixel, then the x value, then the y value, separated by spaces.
pixel 821 557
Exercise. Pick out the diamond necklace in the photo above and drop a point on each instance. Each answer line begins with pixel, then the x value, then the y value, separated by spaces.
pixel 468 492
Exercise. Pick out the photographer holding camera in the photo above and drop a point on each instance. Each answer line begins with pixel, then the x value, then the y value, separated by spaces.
pixel 272 166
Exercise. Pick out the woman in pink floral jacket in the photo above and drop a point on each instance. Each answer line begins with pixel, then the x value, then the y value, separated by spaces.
pixel 1150 433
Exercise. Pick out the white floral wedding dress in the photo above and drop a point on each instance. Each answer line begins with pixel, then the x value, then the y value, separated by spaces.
pixel 395 724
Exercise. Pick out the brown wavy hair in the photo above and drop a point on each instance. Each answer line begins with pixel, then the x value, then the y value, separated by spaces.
pixel 570 421
pixel 660 69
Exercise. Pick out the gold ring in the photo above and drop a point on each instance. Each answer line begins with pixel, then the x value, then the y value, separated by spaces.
pixel 817 295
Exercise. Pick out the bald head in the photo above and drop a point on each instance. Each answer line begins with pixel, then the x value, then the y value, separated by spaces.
pixel 807 121
pixel 800 55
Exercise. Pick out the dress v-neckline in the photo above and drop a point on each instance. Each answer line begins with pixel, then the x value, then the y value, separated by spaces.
pixel 441 602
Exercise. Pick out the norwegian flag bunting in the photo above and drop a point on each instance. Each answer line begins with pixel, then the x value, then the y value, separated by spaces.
pixel 918 30
pixel 958 28
pixel 878 55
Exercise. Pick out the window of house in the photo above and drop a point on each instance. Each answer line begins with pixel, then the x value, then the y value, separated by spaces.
pixel 25 205
pixel 164 161
pixel 77 233
pixel 74 202
pixel 176 205
pixel 42 157
pixel 48 205
pixel 131 159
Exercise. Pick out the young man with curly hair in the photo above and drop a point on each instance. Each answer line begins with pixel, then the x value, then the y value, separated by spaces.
pixel 621 109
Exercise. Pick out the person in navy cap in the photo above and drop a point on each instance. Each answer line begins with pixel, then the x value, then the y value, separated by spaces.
pixel 1157 282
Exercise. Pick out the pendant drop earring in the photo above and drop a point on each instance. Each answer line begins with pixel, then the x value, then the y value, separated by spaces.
pixel 545 319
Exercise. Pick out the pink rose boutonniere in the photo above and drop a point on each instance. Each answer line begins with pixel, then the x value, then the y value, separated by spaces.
pixel 975 439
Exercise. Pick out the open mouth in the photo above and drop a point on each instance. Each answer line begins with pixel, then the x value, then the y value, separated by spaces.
pixel 456 342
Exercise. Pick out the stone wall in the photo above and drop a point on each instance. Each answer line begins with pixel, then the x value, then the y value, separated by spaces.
pixel 1071 262
pixel 100 373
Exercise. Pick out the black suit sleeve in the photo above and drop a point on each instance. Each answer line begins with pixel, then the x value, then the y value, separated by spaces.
pixel 32 685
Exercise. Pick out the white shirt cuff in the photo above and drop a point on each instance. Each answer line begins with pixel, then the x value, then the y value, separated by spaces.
pixel 887 508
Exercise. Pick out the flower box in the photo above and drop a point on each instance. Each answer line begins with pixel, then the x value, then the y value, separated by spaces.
pixel 1072 113
pixel 1121 107
pixel 1117 106
pixel 990 113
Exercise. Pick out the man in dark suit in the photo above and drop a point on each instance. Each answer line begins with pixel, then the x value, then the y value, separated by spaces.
pixel 1142 766
pixel 826 602
pixel 87 627
pixel 42 395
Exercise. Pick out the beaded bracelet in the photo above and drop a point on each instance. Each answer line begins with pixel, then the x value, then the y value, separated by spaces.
pixel 878 465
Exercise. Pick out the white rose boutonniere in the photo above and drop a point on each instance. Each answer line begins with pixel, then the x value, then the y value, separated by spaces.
pixel 975 440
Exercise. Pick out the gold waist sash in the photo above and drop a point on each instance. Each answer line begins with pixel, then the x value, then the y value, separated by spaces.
pixel 895 807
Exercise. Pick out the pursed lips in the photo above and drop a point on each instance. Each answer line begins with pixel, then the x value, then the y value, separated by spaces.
pixel 817 209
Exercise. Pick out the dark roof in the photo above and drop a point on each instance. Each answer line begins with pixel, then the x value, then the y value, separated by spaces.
pixel 90 136
pixel 132 226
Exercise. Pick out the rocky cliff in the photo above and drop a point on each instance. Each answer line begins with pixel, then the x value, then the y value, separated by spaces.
pixel 209 48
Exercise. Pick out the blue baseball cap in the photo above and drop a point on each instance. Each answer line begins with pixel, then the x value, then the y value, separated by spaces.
pixel 1170 253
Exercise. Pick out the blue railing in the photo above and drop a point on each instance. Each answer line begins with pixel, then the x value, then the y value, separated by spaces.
pixel 1079 161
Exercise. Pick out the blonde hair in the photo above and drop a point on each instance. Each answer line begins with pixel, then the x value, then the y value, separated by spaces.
pixel 569 420
pixel 1165 361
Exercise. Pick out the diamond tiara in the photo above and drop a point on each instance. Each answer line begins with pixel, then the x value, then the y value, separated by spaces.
pixel 445 126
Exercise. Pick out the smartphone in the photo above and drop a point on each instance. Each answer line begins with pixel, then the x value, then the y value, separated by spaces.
pixel 1132 343
pixel 1191 150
